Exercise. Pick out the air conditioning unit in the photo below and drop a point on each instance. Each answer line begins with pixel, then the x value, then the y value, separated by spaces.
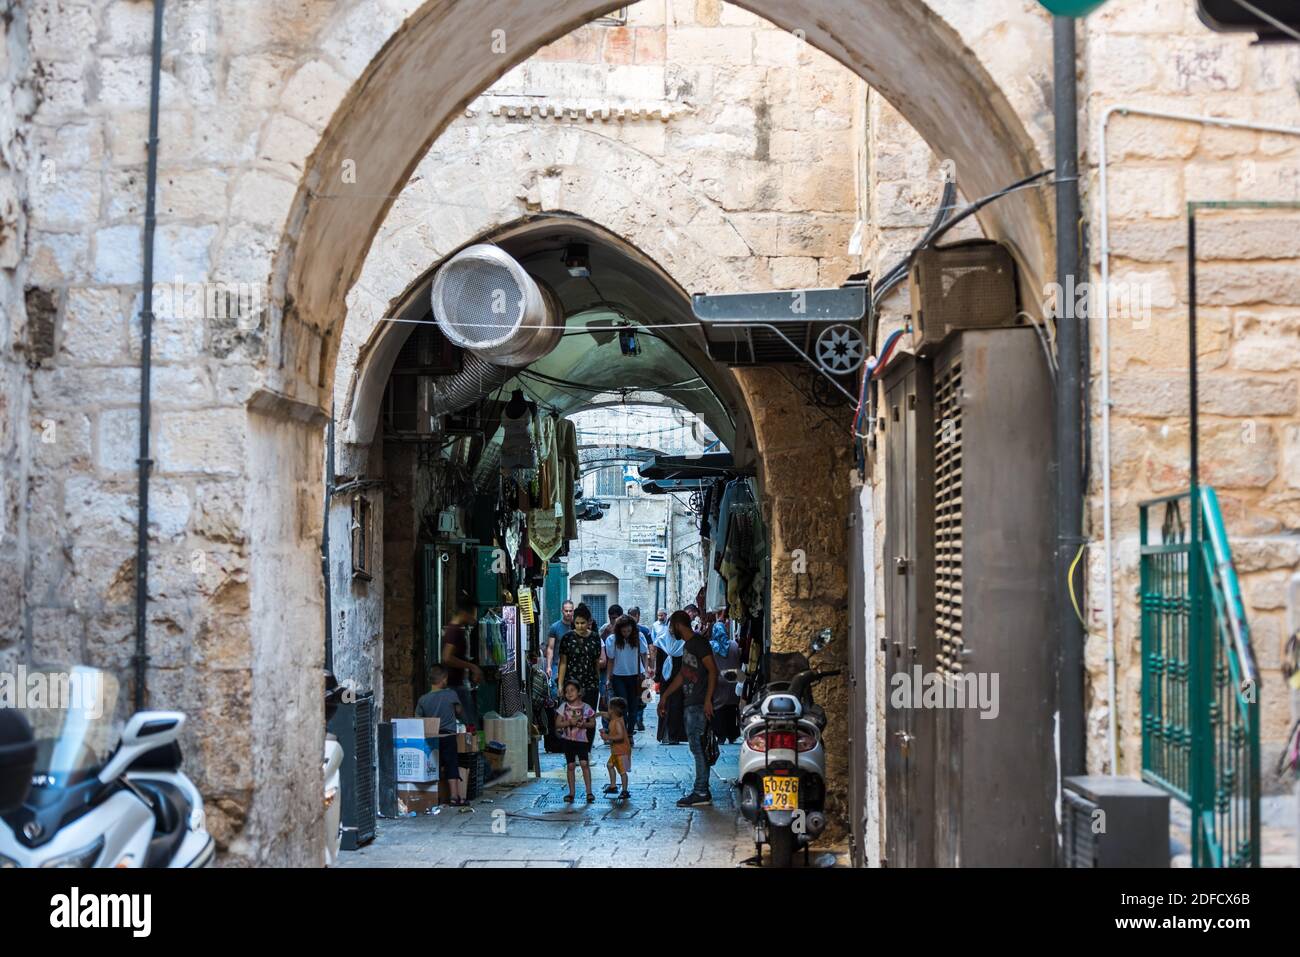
pixel 967 285
pixel 354 725
pixel 772 328
pixel 1110 821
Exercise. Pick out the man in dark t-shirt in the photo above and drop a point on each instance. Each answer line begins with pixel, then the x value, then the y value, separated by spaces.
pixel 455 658
pixel 557 631
pixel 697 680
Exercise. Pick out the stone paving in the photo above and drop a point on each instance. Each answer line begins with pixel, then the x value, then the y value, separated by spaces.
pixel 529 825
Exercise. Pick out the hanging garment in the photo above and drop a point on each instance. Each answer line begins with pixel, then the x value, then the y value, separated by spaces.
pixel 545 532
pixel 549 470
pixel 715 591
pixel 567 452
pixel 492 645
pixel 737 492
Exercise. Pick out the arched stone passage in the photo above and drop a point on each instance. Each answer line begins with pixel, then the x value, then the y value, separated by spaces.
pixel 442 57
pixel 446 53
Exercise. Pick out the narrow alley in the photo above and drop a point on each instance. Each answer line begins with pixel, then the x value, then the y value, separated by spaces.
pixel 529 825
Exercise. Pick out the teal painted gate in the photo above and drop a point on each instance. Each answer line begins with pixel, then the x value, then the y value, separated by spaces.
pixel 1200 688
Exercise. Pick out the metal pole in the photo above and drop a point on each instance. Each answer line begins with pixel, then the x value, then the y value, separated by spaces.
pixel 1069 414
pixel 144 463
pixel 1198 652
pixel 325 542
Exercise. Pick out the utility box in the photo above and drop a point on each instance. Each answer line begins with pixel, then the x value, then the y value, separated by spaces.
pixel 1111 821
pixel 970 759
pixel 966 285
pixel 994 537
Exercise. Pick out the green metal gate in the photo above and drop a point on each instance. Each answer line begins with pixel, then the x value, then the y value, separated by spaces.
pixel 1200 688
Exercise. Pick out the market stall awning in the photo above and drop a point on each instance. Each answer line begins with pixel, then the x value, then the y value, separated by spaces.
pixel 667 486
pixel 709 466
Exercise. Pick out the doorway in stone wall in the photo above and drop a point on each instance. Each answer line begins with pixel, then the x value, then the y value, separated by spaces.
pixel 450 510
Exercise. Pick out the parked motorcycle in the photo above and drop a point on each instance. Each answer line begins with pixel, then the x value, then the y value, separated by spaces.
pixel 782 762
pixel 104 795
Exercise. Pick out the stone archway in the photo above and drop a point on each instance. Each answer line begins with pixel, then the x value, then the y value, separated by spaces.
pixel 442 57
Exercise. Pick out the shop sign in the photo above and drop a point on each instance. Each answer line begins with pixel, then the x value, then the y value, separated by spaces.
pixel 643 533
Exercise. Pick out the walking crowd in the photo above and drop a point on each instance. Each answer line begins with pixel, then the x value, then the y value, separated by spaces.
pixel 602 681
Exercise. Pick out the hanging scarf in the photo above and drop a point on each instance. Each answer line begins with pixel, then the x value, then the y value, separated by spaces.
pixel 720 641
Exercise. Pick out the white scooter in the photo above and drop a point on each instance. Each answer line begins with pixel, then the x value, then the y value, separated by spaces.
pixel 782 764
pixel 103 799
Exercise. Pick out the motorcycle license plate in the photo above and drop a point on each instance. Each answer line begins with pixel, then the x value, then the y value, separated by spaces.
pixel 780 793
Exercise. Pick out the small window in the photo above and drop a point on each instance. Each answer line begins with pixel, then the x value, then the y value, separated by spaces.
pixel 617 18
pixel 362 537
pixel 609 481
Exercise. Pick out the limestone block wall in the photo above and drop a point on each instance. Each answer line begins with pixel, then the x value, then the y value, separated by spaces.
pixel 1157 55
pixel 21 339
pixel 260 240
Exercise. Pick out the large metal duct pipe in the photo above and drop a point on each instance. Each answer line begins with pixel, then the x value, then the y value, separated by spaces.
pixel 476 379
pixel 486 303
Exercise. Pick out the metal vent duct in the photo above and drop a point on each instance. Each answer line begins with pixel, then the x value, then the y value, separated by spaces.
pixel 485 302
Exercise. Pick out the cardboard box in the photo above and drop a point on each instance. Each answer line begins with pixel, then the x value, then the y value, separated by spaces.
pixel 467 742
pixel 413 798
pixel 415 741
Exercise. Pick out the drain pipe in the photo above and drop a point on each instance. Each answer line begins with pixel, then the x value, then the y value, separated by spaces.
pixel 144 462
pixel 1069 404
pixel 325 542
pixel 1108 546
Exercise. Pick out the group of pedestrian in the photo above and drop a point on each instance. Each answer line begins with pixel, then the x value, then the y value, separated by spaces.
pixel 609 676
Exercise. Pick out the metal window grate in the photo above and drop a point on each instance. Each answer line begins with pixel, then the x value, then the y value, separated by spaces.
pixel 948 519
pixel 1079 842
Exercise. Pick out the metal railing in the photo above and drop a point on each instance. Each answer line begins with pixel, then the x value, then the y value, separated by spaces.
pixel 1200 686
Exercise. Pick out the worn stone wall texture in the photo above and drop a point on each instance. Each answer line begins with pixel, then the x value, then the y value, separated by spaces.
pixel 22 339
pixel 276 170
pixel 1157 56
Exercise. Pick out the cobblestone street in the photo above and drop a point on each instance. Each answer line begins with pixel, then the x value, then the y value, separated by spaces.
pixel 529 825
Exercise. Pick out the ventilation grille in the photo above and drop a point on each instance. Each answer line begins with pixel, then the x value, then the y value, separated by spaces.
pixel 1079 841
pixel 358 811
pixel 948 519
pixel 481 300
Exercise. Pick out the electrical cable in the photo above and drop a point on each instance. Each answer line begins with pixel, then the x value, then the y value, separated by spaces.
pixel 1070 583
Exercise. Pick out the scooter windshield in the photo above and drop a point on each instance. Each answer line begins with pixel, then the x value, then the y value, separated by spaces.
pixel 73 714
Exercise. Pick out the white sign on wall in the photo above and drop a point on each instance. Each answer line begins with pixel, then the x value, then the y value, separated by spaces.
pixel 642 533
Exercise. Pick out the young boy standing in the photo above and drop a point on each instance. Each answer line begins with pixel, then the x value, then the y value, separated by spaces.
pixel 620 747
pixel 444 704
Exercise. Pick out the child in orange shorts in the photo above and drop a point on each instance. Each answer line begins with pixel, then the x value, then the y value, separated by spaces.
pixel 620 747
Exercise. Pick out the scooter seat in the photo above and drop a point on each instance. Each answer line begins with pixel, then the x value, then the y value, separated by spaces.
pixel 816 714
pixel 170 811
